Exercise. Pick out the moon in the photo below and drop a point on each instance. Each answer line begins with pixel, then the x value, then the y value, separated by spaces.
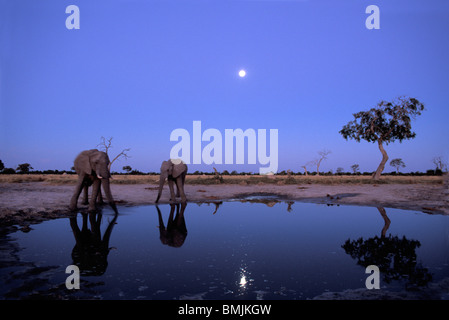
pixel 242 73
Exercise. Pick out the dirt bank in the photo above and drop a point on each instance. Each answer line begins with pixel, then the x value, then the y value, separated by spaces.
pixel 36 201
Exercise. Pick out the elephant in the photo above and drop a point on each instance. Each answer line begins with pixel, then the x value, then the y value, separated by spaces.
pixel 174 170
pixel 91 249
pixel 86 194
pixel 175 233
pixel 92 169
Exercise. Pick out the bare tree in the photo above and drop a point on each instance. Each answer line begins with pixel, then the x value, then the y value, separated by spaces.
pixel 355 168
pixel 305 169
pixel 218 177
pixel 106 144
pixel 439 163
pixel 322 156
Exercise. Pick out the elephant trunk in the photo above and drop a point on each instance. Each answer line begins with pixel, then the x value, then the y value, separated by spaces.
pixel 102 172
pixel 161 185
pixel 107 191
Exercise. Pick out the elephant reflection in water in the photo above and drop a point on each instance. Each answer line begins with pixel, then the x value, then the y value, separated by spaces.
pixel 175 233
pixel 396 257
pixel 91 250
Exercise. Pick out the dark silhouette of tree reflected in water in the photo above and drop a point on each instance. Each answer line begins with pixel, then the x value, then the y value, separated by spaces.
pixel 396 257
pixel 91 250
pixel 175 233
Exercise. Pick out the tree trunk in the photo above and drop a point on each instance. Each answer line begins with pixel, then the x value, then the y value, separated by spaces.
pixel 383 212
pixel 305 170
pixel 318 167
pixel 381 167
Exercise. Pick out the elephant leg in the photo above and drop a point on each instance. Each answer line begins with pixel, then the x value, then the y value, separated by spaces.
pixel 161 221
pixel 183 180
pixel 180 186
pixel 172 191
pixel 107 191
pixel 95 190
pixel 86 197
pixel 178 194
pixel 76 194
pixel 100 197
pixel 170 217
pixel 161 185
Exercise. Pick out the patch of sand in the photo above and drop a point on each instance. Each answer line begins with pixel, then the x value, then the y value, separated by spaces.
pixel 39 200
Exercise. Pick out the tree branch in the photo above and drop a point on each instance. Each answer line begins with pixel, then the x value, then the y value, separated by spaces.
pixel 105 143
pixel 121 154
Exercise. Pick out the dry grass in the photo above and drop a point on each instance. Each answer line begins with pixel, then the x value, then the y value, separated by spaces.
pixel 237 179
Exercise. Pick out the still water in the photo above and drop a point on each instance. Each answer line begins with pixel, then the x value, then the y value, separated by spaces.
pixel 227 250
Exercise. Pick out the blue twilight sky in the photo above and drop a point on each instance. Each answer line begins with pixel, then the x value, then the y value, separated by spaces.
pixel 137 70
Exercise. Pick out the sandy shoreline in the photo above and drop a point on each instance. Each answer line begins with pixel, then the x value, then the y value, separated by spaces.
pixel 37 201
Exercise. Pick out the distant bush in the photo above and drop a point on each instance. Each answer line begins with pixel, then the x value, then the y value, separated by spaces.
pixel 136 172
pixel 8 171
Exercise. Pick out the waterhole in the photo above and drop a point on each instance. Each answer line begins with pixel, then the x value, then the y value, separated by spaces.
pixel 252 248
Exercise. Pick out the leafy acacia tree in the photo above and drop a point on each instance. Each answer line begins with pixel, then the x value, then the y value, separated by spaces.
pixel 385 123
pixel 24 168
pixel 397 163
pixel 127 169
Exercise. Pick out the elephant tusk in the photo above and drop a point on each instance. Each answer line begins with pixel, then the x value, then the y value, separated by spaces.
pixel 99 177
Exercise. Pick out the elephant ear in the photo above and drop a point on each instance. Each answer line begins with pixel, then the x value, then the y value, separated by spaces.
pixel 83 164
pixel 178 169
pixel 166 168
pixel 94 157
